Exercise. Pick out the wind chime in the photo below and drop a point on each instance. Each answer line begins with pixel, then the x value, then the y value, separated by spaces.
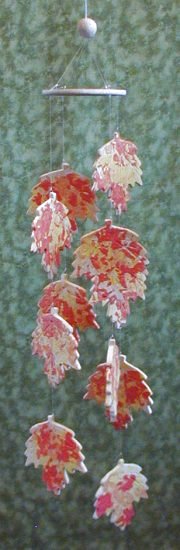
pixel 115 261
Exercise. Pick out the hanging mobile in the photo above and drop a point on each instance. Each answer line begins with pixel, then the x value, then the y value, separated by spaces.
pixel 115 261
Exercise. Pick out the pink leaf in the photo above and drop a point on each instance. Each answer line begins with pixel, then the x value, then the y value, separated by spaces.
pixel 51 232
pixel 53 340
pixel 117 168
pixel 118 489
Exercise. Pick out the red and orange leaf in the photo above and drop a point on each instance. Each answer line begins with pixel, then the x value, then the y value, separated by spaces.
pixel 123 418
pixel 53 340
pixel 134 387
pixel 51 232
pixel 111 250
pixel 116 299
pixel 116 262
pixel 72 303
pixel 117 168
pixel 133 394
pixel 54 447
pixel 54 477
pixel 121 394
pixel 118 490
pixel 72 189
pixel 96 388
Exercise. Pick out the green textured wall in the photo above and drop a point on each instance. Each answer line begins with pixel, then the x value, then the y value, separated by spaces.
pixel 135 47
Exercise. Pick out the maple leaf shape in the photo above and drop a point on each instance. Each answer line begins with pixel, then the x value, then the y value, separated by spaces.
pixel 116 298
pixel 116 262
pixel 96 388
pixel 53 340
pixel 117 168
pixel 51 232
pixel 72 303
pixel 118 490
pixel 54 447
pixel 122 395
pixel 71 188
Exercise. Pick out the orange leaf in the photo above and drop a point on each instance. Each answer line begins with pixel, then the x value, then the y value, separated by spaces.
pixel 72 303
pixel 121 394
pixel 72 189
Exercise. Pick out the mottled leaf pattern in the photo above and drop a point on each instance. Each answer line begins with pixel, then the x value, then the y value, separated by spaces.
pixel 116 262
pixel 137 49
pixel 51 232
pixel 72 303
pixel 116 168
pixel 133 393
pixel 72 189
pixel 54 447
pixel 118 490
pixel 53 340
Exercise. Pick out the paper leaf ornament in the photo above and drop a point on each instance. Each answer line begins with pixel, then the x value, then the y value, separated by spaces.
pixel 54 447
pixel 117 168
pixel 53 340
pixel 112 379
pixel 122 392
pixel 116 262
pixel 115 298
pixel 118 490
pixel 72 189
pixel 72 303
pixel 51 232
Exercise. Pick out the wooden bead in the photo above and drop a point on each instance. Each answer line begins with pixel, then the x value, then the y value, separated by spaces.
pixel 87 27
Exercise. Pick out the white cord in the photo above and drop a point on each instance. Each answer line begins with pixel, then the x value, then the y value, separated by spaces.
pixel 85 7
pixel 50 132
pixel 76 55
pixel 62 113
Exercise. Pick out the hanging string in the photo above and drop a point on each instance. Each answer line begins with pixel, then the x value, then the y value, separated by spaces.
pixel 85 8
pixel 128 540
pixel 110 136
pixel 122 438
pixel 110 116
pixel 52 400
pixel 123 443
pixel 50 132
pixel 117 114
pixel 35 525
pixel 63 160
pixel 100 71
pixel 76 56
pixel 50 155
pixel 62 125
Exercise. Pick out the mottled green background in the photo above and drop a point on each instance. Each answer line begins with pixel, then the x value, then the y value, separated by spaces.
pixel 135 48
